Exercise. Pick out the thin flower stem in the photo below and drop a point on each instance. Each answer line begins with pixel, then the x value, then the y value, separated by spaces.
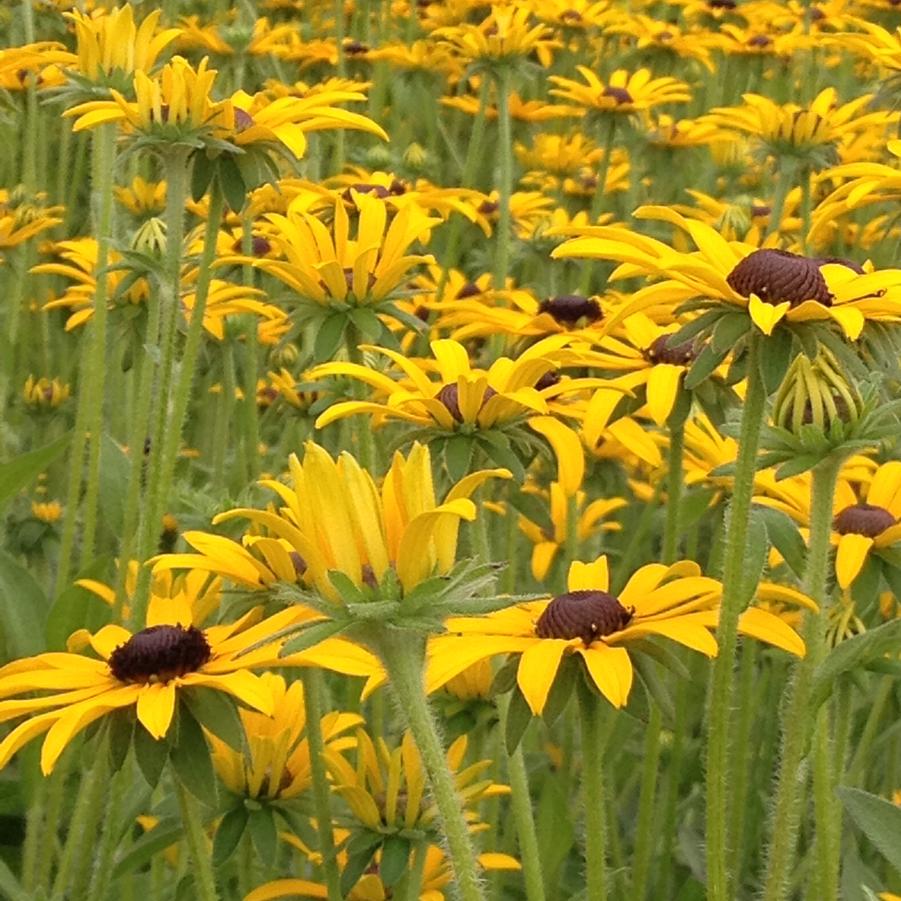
pixel 674 478
pixel 719 699
pixel 403 655
pixel 312 690
pixel 593 794
pixel 505 179
pixel 827 814
pixel 103 165
pixel 521 801
pixel 177 172
pixel 82 827
pixel 646 831
pixel 783 181
pixel 195 838
pixel 353 340
pixel 35 820
pixel 597 199
pixel 109 840
pixel 798 718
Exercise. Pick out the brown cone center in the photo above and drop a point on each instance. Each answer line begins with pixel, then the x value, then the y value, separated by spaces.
pixel 568 309
pixel 776 276
pixel 449 395
pixel 582 614
pixel 677 354
pixel 620 95
pixel 160 653
pixel 863 519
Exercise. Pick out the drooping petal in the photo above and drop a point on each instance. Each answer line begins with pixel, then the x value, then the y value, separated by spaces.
pixel 850 557
pixel 537 670
pixel 611 670
pixel 155 708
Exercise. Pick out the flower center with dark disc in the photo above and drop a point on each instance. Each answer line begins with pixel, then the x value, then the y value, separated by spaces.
pixel 548 380
pixel 449 395
pixel 582 614
pixel 620 95
pixel 470 289
pixel 160 653
pixel 678 354
pixel 863 519
pixel 776 276
pixel 568 309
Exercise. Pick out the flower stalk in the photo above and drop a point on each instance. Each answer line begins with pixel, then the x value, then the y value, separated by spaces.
pixel 593 795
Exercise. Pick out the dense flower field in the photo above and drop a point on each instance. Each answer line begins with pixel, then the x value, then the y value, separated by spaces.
pixel 450 450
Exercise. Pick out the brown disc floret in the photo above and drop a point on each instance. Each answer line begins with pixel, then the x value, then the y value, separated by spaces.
pixel 160 653
pixel 586 614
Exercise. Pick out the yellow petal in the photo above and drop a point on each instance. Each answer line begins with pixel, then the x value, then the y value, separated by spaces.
pixel 766 316
pixel 611 670
pixel 850 557
pixel 589 576
pixel 538 667
pixel 568 450
pixel 662 388
pixel 155 708
pixel 768 627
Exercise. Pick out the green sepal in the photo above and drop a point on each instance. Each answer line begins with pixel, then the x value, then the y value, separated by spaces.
pixel 216 711
pixel 151 754
pixel 561 690
pixel 505 678
pixel 228 834
pixel 394 860
pixel 167 832
pixel 519 715
pixel 201 175
pixel 458 452
pixel 785 537
pixel 329 336
pixel 231 183
pixel 704 365
pixel 120 729
pixel 775 357
pixel 191 761
pixel 729 330
pixel 367 323
pixel 263 833
pixel 311 636
pixel 357 862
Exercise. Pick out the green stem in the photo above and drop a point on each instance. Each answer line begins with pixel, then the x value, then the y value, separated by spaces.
pixel 85 817
pixel 353 339
pixel 593 794
pixel 505 180
pixel 109 840
pixel 645 832
pixel 782 184
pixel 719 700
pixel 103 164
pixel 673 493
pixel 177 172
pixel 798 718
pixel 195 838
pixel 35 820
pixel 805 208
pixel 597 199
pixel 312 688
pixel 521 801
pixel 403 655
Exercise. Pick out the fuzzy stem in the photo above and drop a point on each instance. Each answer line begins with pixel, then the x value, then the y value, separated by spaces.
pixel 673 493
pixel 523 815
pixel 195 838
pixel 312 689
pixel 645 832
pixel 719 700
pixel 505 179
pixel 103 164
pixel 403 655
pixel 593 794
pixel 797 715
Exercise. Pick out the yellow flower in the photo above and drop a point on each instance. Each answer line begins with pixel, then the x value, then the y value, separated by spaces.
pixel 47 511
pixel 675 602
pixel 111 46
pixel 326 266
pixel 276 763
pixel 23 216
pixel 623 94
pixel 44 392
pixel 772 285
pixel 335 518
pixel 142 198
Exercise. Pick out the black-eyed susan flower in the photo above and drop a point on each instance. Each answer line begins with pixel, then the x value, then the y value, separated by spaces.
pixel 675 602
pixel 276 762
pixel 43 393
pixel 771 285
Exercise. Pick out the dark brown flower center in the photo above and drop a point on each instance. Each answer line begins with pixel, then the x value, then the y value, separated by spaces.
pixel 620 95
pixel 570 15
pixel 449 395
pixel 548 380
pixel 678 355
pixel 582 614
pixel 362 188
pixel 160 653
pixel 759 40
pixel 470 289
pixel 243 120
pixel 259 246
pixel 488 207
pixel 863 519
pixel 568 309
pixel 776 276
pixel 721 4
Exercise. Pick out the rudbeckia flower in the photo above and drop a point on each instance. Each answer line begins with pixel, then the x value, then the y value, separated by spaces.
pixel 623 94
pixel 335 518
pixel 772 285
pixel 674 602
pixel 276 763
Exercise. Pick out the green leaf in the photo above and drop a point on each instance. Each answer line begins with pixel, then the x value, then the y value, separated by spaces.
pixel 78 608
pixel 878 819
pixel 263 833
pixel 554 824
pixel 19 472
pixel 395 855
pixel 150 754
pixel 704 365
pixel 458 456
pixel 728 331
pixel 329 336
pixel 345 586
pixel 165 833
pixel 656 688
pixel 519 715
pixel 201 175
pixel 499 450
pixel 231 182
pixel 312 636
pixel 368 324
pixel 561 690
pixel 115 470
pixel 775 356
pixel 785 537
pixel 228 835
pixel 120 726
pixel 217 712
pixel 854 653
pixel 23 609
pixel 191 759
pixel 505 677
pixel 355 867
pixel 697 326
pixel 797 465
